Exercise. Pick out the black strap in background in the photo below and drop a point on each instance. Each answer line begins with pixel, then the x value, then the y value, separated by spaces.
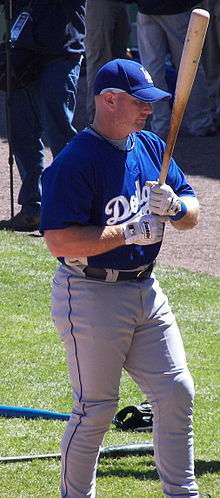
pixel 29 7
pixel 165 7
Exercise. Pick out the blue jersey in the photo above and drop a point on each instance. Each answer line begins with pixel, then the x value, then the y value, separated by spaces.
pixel 92 182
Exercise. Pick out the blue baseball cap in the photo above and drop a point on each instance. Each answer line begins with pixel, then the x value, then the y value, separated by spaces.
pixel 124 75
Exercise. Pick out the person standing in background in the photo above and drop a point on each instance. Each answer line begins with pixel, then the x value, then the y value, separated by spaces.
pixel 161 30
pixel 107 32
pixel 45 105
pixel 211 57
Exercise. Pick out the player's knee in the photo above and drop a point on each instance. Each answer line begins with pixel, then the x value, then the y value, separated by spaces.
pixel 99 413
pixel 174 411
pixel 183 387
pixel 182 395
pixel 178 391
pixel 94 413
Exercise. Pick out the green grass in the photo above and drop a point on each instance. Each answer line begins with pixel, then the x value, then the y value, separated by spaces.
pixel 33 373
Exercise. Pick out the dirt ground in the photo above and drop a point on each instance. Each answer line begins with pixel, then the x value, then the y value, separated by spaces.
pixel 197 249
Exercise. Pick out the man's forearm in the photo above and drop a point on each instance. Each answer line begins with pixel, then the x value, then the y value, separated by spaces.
pixel 191 218
pixel 81 241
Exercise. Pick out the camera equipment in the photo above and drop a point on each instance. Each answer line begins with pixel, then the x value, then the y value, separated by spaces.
pixel 8 19
pixel 16 70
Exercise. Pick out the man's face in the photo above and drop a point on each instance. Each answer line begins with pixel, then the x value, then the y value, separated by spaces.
pixel 132 112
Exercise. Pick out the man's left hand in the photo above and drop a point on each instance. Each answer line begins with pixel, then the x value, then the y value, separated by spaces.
pixel 162 200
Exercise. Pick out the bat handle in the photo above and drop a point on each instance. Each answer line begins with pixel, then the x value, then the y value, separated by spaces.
pixel 171 140
pixel 164 167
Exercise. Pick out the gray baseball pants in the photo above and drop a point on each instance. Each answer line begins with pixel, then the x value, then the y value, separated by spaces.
pixel 106 327
pixel 158 35
pixel 107 31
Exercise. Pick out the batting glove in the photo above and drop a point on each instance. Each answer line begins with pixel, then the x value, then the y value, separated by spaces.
pixel 162 200
pixel 145 230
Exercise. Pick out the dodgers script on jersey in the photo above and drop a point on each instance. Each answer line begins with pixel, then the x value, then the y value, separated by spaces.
pixel 93 182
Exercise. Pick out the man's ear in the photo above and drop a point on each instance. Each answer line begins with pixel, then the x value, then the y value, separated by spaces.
pixel 109 99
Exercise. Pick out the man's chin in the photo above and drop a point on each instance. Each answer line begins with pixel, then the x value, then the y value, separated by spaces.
pixel 139 125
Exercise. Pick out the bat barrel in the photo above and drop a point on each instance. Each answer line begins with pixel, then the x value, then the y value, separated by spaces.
pixel 190 58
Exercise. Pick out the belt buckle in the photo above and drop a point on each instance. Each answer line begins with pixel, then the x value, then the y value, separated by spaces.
pixel 140 275
pixel 144 273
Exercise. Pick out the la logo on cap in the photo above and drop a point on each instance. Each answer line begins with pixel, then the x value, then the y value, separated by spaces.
pixel 146 74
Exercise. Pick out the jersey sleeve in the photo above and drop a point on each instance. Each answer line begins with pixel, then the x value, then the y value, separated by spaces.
pixel 67 192
pixel 177 180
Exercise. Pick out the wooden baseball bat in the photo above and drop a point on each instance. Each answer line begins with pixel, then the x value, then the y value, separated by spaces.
pixel 191 54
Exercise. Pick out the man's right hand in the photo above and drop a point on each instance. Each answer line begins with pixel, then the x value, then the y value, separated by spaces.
pixel 144 230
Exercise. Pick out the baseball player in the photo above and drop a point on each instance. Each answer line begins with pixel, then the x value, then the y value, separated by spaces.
pixel 103 217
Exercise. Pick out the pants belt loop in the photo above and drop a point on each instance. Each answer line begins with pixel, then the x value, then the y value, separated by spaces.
pixel 112 275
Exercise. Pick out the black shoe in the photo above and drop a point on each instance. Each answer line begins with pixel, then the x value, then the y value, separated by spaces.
pixel 21 223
